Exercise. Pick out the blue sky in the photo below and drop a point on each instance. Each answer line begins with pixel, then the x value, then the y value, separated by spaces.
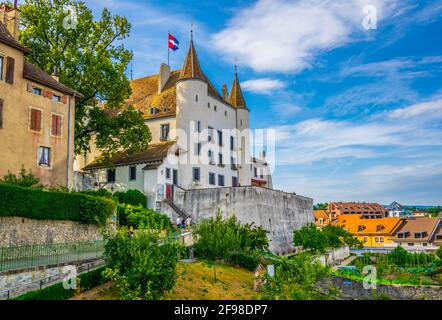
pixel 358 113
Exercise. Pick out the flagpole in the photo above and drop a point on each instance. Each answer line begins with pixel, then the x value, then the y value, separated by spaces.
pixel 168 49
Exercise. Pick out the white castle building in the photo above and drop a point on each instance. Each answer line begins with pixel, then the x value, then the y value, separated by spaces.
pixel 200 138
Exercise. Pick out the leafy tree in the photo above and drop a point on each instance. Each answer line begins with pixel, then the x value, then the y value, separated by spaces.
pixel 320 206
pixel 434 211
pixel 24 179
pixel 294 278
pixel 399 256
pixel 253 237
pixel 142 218
pixel 142 266
pixel 132 197
pixel 439 252
pixel 92 60
pixel 216 238
pixel 338 236
pixel 311 238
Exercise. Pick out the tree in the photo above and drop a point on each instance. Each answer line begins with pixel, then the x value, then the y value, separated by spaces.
pixel 320 206
pixel 311 238
pixel 216 238
pixel 132 197
pixel 338 236
pixel 91 59
pixel 142 266
pixel 294 278
pixel 253 237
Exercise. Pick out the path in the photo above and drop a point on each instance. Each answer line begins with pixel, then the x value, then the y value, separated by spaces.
pixel 346 262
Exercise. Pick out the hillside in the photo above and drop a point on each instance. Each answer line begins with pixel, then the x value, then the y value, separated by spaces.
pixel 195 281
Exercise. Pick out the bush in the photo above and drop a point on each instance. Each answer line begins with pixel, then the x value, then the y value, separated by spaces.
pixel 132 197
pixel 57 292
pixel 249 262
pixel 24 179
pixel 99 193
pixel 42 205
pixel 142 218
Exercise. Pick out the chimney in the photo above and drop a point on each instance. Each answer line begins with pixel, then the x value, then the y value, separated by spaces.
pixel 56 75
pixel 10 17
pixel 225 93
pixel 163 76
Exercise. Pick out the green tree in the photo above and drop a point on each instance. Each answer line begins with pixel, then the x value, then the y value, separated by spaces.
pixel 132 197
pixel 92 60
pixel 216 238
pixel 143 266
pixel 24 179
pixel 320 206
pixel 253 237
pixel 338 236
pixel 294 278
pixel 311 238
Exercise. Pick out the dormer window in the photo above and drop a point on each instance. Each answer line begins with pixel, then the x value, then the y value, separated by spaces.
pixel 154 110
pixel 439 236
pixel 420 235
pixel 403 235
pixel 361 228
pixel 379 228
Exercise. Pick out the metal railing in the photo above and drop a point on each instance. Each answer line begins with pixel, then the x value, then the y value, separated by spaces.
pixel 34 255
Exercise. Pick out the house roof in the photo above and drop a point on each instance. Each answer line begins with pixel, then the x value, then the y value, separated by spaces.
pixel 7 38
pixel 32 72
pixel 191 67
pixel 394 206
pixel 153 154
pixel 358 207
pixel 353 222
pixel 437 232
pixel 415 225
pixel 320 214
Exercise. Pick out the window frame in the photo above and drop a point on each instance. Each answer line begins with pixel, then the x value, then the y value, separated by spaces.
pixel 114 170
pixel 130 173
pixel 30 120
pixel 198 171
pixel 49 155
pixel 221 179
pixel 212 175
pixel 164 125
pixel 61 124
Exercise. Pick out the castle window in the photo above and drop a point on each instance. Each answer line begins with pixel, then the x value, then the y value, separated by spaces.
pixel 211 178
pixel 220 158
pixel 132 173
pixel 234 181
pixel 255 172
pixel 232 142
pixel 210 134
pixel 198 126
pixel 220 138
pixel 196 174
pixel 196 98
pixel 167 173
pixel 198 148
pixel 208 105
pixel 225 113
pixel 214 108
pixel 221 180
pixel 110 175
pixel 164 132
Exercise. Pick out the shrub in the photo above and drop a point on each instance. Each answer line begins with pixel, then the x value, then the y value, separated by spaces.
pixel 247 261
pixel 439 253
pixel 99 193
pixel 143 266
pixel 39 204
pixel 57 292
pixel 24 179
pixel 132 197
pixel 142 218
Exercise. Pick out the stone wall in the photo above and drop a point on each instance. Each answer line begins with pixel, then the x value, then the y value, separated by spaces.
pixel 21 231
pixel 277 212
pixel 355 290
pixel 334 256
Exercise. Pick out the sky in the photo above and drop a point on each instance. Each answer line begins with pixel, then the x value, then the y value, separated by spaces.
pixel 353 89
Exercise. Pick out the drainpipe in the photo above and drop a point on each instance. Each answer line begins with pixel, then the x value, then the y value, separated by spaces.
pixel 68 160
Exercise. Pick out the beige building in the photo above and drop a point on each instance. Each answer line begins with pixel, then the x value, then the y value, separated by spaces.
pixel 36 112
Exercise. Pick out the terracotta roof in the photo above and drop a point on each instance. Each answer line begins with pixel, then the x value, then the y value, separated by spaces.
pixel 416 225
pixel 34 73
pixel 191 67
pixel 8 39
pixel 318 214
pixel 236 97
pixel 437 238
pixel 356 224
pixel 356 207
pixel 154 153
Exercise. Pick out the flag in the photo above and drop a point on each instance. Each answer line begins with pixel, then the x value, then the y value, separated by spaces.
pixel 173 43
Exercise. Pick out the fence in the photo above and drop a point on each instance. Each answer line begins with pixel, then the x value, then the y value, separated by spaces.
pixel 19 257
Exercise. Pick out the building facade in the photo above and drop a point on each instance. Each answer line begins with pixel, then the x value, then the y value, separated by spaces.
pixel 207 134
pixel 367 210
pixel 37 112
pixel 419 233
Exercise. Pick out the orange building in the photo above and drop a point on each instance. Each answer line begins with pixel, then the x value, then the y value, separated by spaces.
pixel 321 218
pixel 371 232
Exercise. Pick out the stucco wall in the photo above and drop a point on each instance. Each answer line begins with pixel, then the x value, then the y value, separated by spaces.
pixel 278 212
pixel 21 231
pixel 20 144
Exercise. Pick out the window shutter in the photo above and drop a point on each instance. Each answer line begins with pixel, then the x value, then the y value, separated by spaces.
pixel 54 125
pixel 38 120
pixel 33 116
pixel 10 70
pixel 1 113
pixel 64 99
pixel 30 87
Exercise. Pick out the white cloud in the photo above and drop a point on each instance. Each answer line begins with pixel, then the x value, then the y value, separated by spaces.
pixel 280 35
pixel 262 85
pixel 431 109
pixel 286 110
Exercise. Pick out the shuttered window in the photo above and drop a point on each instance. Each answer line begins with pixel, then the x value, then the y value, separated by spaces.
pixel 56 125
pixel 35 124
pixel 2 60
pixel 1 113
pixel 10 62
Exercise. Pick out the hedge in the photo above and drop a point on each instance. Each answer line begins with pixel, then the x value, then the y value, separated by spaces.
pixel 50 205
pixel 249 262
pixel 57 292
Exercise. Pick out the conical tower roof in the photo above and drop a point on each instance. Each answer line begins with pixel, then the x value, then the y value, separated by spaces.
pixel 236 97
pixel 191 67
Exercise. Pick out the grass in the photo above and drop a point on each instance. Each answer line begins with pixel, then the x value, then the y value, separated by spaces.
pixel 195 282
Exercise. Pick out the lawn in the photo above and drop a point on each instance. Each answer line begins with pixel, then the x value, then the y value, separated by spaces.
pixel 195 281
